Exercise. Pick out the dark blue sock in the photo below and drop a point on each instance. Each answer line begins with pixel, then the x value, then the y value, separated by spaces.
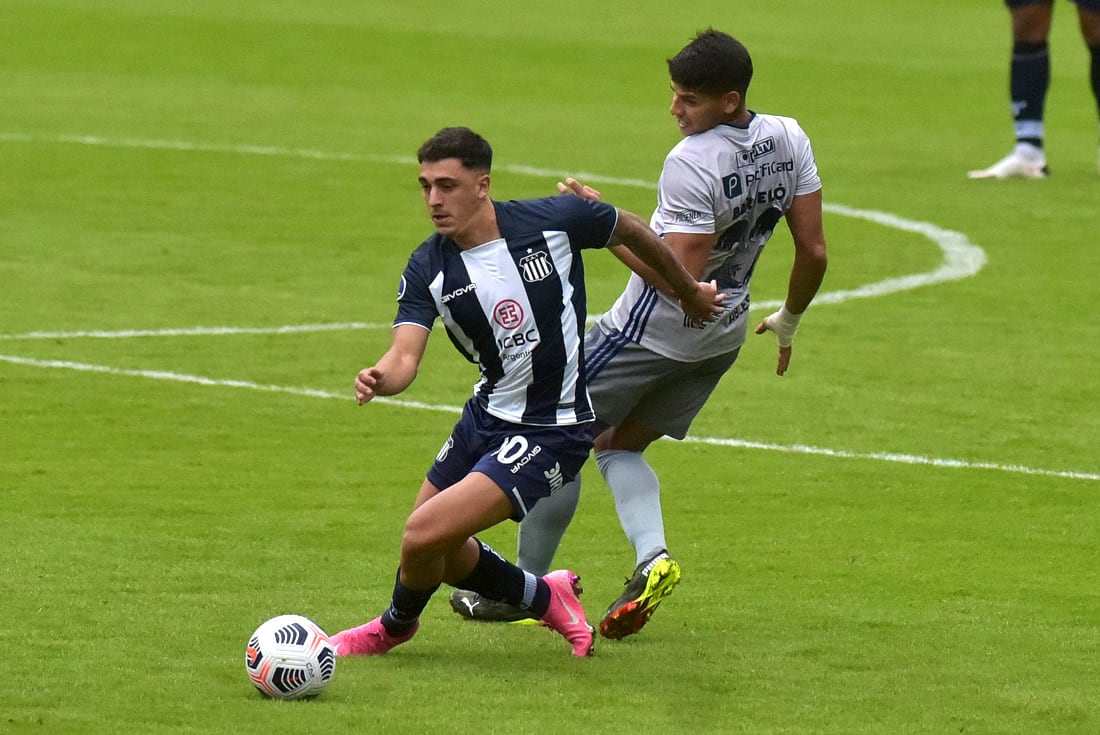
pixel 495 578
pixel 405 607
pixel 1029 80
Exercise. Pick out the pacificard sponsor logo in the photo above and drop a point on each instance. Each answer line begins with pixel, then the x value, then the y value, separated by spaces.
pixel 769 168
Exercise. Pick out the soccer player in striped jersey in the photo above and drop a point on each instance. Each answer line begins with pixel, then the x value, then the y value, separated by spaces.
pixel 722 190
pixel 508 282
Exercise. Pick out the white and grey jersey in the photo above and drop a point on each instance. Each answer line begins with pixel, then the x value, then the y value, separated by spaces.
pixel 734 181
pixel 516 306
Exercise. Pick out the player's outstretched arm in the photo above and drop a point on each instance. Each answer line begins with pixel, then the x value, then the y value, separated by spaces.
pixel 807 273
pixel 692 250
pixel 700 301
pixel 396 369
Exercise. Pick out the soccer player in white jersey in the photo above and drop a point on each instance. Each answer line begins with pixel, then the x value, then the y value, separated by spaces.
pixel 508 282
pixel 722 190
pixel 1029 80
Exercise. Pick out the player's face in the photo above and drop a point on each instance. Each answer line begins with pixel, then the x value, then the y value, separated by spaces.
pixel 453 194
pixel 696 112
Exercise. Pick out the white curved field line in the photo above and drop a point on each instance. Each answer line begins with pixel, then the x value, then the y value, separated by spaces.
pixel 962 259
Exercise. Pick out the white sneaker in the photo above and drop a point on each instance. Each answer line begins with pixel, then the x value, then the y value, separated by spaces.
pixel 1027 162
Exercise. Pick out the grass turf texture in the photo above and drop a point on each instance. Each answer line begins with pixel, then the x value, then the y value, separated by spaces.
pixel 150 524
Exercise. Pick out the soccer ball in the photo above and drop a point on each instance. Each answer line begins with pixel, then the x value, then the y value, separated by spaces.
pixel 290 657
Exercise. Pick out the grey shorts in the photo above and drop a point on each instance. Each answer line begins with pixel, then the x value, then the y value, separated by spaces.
pixel 1093 5
pixel 663 394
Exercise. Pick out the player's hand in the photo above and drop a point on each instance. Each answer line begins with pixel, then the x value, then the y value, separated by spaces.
pixel 365 383
pixel 705 305
pixel 572 186
pixel 784 324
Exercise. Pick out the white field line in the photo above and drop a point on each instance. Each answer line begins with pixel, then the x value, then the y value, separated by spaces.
pixel 713 441
pixel 210 382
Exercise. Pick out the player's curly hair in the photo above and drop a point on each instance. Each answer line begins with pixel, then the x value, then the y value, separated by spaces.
pixel 471 149
pixel 713 63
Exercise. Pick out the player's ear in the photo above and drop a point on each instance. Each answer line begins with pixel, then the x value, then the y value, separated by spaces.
pixel 483 186
pixel 731 102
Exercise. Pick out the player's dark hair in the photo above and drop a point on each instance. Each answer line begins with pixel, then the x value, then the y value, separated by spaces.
pixel 713 63
pixel 471 149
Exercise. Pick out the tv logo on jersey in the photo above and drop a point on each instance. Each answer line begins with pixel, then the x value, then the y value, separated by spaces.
pixel 759 150
pixel 536 267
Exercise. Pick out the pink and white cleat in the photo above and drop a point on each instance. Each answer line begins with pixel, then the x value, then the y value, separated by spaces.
pixel 369 639
pixel 565 614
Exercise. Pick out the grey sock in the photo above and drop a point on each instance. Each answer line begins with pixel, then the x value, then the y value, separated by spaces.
pixel 540 532
pixel 637 494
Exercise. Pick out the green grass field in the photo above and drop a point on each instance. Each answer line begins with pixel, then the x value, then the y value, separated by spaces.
pixel 204 210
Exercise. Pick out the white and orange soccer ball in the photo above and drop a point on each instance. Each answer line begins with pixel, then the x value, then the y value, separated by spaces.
pixel 290 657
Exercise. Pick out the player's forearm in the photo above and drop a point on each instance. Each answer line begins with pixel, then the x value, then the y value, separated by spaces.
pixel 807 274
pixel 395 374
pixel 634 263
pixel 654 253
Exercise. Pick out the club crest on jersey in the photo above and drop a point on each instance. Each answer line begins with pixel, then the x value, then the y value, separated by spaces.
pixel 536 267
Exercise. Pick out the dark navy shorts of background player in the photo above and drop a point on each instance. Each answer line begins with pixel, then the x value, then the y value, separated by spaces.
pixel 1093 5
pixel 528 462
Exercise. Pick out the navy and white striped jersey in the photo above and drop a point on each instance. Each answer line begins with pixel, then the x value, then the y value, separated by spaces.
pixel 516 306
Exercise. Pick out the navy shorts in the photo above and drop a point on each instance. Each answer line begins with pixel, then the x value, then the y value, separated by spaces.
pixel 528 462
pixel 1093 5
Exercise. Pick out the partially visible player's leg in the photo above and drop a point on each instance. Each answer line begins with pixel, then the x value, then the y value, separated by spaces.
pixel 1088 12
pixel 436 544
pixel 1029 80
pixel 541 531
pixel 668 409
pixel 637 492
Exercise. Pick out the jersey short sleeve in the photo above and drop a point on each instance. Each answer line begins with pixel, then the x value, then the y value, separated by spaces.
pixel 808 179
pixel 685 196
pixel 415 302
pixel 588 224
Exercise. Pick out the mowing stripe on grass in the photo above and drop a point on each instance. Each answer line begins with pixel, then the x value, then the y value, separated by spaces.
pixel 962 258
pixel 738 443
pixel 196 331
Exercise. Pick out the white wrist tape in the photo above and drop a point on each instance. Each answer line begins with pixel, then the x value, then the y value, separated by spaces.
pixel 784 324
